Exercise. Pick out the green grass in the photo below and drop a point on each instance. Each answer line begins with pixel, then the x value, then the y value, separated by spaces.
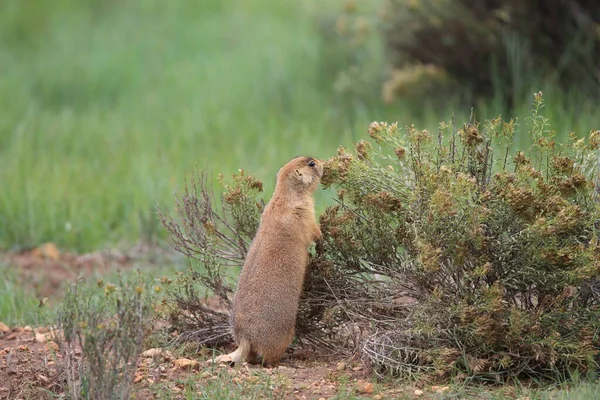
pixel 258 383
pixel 223 385
pixel 104 111
pixel 19 306
pixel 580 390
pixel 585 391
pixel 106 105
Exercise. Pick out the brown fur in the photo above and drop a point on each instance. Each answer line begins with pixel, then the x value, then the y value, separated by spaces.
pixel 265 303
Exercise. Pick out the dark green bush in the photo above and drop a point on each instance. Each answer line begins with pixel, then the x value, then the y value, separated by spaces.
pixel 495 46
pixel 497 252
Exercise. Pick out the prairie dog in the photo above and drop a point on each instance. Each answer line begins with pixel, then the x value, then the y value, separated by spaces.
pixel 265 303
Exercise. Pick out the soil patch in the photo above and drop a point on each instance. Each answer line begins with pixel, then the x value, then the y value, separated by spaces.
pixel 29 364
pixel 45 269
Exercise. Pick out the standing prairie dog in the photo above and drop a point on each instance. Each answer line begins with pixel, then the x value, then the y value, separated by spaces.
pixel 265 303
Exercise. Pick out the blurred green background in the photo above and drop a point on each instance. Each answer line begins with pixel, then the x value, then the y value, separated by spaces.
pixel 105 105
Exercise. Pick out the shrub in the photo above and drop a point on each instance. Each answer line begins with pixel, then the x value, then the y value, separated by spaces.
pixel 498 252
pixel 106 326
pixel 491 46
pixel 215 236
pixel 445 254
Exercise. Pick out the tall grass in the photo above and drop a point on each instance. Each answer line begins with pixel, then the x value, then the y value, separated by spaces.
pixel 104 106
pixel 104 110
pixel 19 306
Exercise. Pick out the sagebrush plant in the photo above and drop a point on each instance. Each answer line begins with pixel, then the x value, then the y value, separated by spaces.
pixel 498 249
pixel 100 333
pixel 450 253
pixel 215 235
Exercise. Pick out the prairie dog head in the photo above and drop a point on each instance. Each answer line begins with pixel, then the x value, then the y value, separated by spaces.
pixel 302 174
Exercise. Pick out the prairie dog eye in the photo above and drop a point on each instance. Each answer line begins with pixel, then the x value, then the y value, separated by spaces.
pixel 311 163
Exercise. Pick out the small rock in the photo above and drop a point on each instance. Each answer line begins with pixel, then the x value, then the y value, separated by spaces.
pixel 377 397
pixel 44 379
pixel 358 368
pixel 151 353
pixel 341 366
pixel 40 338
pixel 47 250
pixel 23 348
pixel 27 329
pixel 364 387
pixel 4 328
pixel 185 363
pixel 17 329
pixel 52 345
pixel 322 398
pixel 418 392
pixel 440 389
pixel 222 359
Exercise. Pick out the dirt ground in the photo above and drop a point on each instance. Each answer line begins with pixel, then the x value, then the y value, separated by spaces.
pixel 30 369
pixel 28 356
pixel 45 269
pixel 30 359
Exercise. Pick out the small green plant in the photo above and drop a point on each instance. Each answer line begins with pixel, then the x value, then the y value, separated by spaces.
pixel 101 330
